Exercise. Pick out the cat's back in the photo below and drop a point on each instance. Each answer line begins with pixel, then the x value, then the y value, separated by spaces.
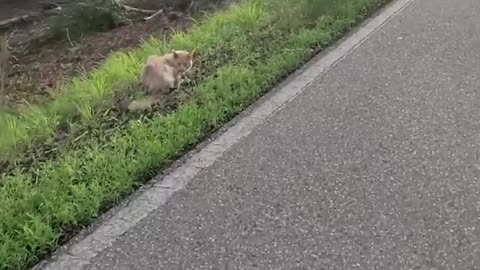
pixel 157 74
pixel 155 61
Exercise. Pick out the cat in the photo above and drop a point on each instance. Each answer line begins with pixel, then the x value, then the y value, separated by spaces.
pixel 160 75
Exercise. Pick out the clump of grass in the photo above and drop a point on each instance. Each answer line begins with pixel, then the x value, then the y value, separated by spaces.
pixel 244 51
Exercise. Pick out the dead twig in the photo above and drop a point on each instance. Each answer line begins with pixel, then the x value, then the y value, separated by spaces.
pixel 160 11
pixel 139 10
pixel 8 23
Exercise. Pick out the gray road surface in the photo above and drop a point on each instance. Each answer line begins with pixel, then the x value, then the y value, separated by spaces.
pixel 375 166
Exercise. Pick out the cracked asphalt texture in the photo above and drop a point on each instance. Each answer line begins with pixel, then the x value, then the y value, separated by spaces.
pixel 375 166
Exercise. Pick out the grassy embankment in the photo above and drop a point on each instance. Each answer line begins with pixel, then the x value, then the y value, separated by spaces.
pixel 65 162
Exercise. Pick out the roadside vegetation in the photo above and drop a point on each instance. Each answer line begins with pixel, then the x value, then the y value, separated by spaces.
pixel 64 162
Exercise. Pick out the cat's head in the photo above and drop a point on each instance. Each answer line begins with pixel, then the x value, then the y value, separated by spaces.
pixel 184 59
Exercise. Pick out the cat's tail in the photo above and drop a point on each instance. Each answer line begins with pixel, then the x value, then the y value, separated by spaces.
pixel 142 104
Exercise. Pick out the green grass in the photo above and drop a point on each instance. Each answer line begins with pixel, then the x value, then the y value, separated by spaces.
pixel 242 52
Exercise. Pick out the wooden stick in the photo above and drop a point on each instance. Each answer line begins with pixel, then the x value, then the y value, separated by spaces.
pixel 9 22
pixel 145 11
pixel 160 11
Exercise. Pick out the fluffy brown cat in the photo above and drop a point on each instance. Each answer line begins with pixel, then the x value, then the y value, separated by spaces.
pixel 160 75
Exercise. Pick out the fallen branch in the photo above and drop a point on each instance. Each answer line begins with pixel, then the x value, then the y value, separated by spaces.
pixel 9 23
pixel 144 11
pixel 15 20
pixel 160 11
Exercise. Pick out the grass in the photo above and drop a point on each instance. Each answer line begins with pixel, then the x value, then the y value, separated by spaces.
pixel 104 154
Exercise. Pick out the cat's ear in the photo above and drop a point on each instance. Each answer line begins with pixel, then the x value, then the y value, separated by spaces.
pixel 175 54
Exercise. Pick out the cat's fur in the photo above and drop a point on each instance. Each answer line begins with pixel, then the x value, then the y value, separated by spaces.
pixel 160 75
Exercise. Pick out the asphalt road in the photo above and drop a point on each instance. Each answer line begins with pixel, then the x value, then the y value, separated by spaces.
pixel 375 166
